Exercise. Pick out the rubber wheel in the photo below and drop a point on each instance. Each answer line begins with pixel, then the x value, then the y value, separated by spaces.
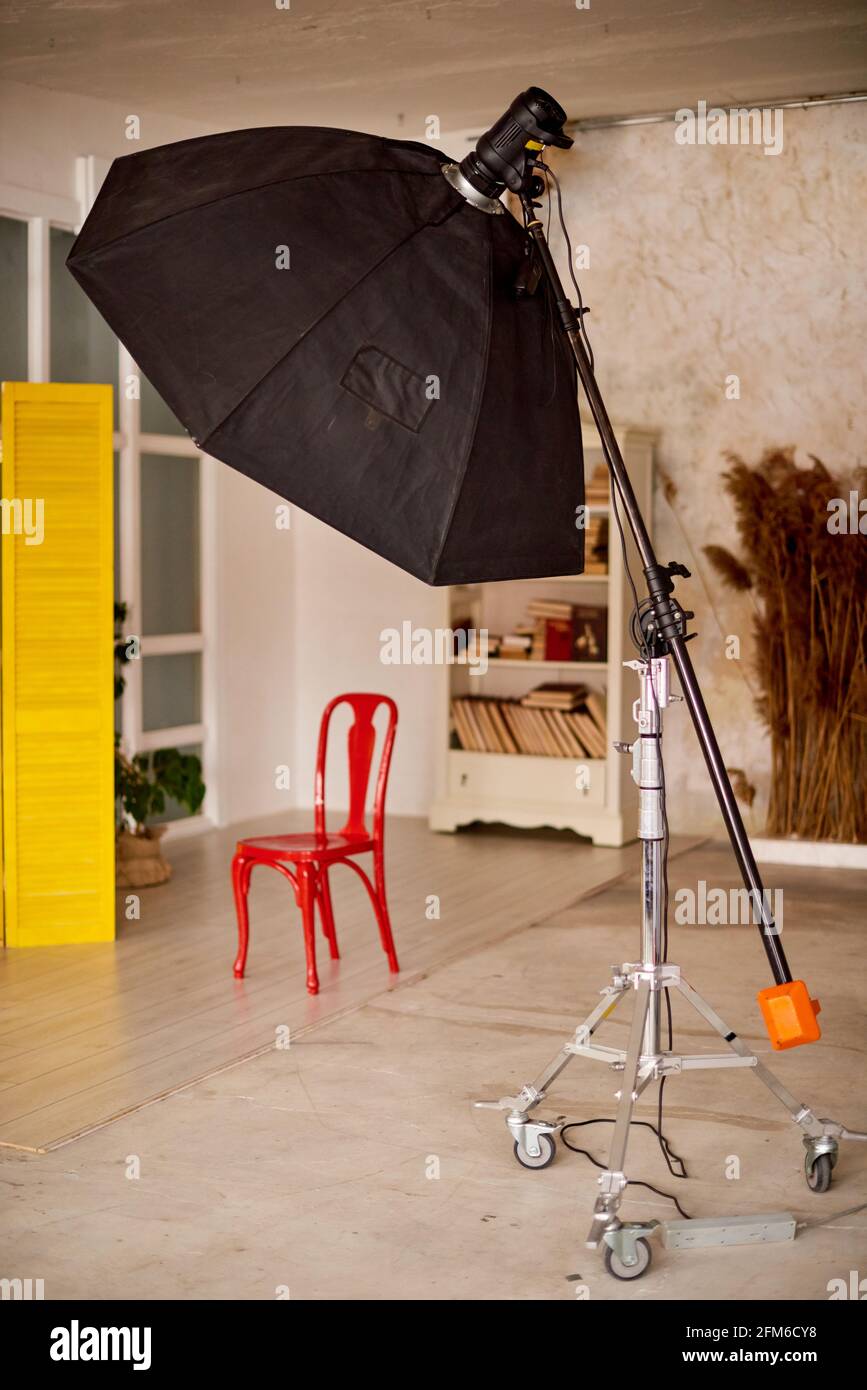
pixel 619 1270
pixel 547 1150
pixel 819 1176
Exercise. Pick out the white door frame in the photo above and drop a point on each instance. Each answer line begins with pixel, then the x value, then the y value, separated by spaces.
pixel 42 211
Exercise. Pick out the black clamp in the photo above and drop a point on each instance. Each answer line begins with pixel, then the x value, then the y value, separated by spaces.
pixel 666 619
pixel 660 577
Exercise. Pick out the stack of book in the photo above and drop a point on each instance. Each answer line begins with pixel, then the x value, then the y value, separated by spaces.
pixel 552 630
pixel 564 631
pixel 553 721
pixel 514 646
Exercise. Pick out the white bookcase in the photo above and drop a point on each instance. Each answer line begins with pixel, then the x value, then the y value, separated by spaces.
pixel 595 798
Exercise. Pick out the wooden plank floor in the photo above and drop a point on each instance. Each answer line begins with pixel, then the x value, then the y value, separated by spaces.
pixel 90 1032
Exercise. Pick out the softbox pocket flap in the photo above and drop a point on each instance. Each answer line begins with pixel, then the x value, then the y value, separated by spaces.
pixel 391 388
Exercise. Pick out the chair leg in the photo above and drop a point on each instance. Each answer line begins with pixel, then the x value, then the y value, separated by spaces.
pixel 382 912
pixel 241 871
pixel 323 894
pixel 306 895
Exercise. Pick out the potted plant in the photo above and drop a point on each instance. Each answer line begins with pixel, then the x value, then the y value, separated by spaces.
pixel 142 784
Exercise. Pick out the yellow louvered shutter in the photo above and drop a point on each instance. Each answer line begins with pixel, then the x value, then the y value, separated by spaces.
pixel 57 665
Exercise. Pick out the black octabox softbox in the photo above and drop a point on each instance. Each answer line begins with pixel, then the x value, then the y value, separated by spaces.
pixel 322 311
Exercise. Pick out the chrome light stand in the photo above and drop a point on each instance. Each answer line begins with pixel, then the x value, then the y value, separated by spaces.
pixel 644 1060
pixel 663 625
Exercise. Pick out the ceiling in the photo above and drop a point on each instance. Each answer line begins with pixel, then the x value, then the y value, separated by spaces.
pixel 389 64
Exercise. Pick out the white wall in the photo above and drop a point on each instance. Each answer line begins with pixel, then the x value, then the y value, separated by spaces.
pixel 345 596
pixel 256 650
pixel 41 132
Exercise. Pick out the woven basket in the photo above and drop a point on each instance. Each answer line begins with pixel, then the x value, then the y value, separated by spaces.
pixel 140 862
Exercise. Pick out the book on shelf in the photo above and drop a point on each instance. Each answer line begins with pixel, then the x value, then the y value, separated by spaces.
pixel 549 608
pixel 514 650
pixel 596 709
pixel 552 695
pixel 463 731
pixel 596 486
pixel 555 630
pixel 557 639
pixel 596 545
pixel 565 632
pixel 508 742
pixel 590 632
pixel 542 724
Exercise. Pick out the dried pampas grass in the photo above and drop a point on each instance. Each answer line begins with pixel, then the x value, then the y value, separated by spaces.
pixel 729 567
pixel 811 632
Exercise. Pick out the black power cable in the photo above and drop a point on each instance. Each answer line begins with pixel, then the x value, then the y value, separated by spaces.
pixel 667 1150
pixel 582 308
pixel 643 649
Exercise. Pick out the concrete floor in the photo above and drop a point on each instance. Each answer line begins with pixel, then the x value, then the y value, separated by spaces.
pixel 353 1166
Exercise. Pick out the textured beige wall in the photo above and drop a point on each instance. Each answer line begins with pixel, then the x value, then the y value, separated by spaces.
pixel 708 261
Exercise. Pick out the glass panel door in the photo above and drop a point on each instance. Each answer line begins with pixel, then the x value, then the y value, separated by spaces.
pixel 13 296
pixel 83 347
pixel 170 550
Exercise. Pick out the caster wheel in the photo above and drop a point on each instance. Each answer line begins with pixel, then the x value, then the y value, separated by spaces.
pixel 619 1270
pixel 547 1150
pixel 819 1176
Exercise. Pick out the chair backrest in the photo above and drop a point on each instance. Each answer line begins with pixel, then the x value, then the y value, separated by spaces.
pixel 360 745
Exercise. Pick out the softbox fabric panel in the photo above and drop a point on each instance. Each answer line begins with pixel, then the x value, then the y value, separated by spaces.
pixel 323 312
pixel 524 478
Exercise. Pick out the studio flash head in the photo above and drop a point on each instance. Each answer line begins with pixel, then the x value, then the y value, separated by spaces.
pixel 503 156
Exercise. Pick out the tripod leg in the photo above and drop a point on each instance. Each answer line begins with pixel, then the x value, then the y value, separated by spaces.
pixel 583 1033
pixel 526 1133
pixel 801 1114
pixel 613 1181
pixel 533 1094
pixel 821 1135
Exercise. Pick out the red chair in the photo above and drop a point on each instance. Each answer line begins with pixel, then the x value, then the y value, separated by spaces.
pixel 312 856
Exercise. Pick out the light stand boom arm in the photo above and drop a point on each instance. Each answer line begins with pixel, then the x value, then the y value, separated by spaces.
pixel 668 615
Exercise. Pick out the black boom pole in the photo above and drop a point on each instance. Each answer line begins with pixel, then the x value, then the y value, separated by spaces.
pixel 667 613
